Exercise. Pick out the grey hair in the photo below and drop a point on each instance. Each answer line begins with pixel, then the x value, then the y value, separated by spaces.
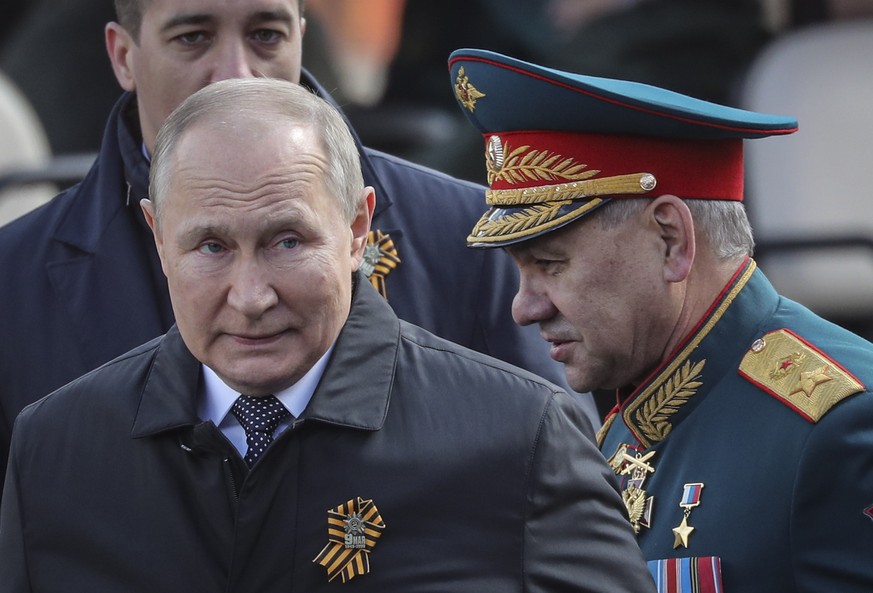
pixel 723 223
pixel 263 99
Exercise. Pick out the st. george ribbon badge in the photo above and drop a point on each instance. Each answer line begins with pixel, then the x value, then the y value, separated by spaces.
pixel 353 529
pixel 380 258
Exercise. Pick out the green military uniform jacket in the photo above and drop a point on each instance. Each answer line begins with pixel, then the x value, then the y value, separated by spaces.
pixel 753 444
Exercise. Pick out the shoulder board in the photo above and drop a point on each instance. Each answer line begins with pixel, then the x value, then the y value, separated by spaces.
pixel 797 374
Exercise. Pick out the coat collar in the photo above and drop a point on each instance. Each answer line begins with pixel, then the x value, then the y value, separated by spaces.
pixel 94 205
pixel 101 262
pixel 679 385
pixel 367 346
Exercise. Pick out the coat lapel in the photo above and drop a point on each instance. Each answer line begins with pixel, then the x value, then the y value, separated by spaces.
pixel 99 270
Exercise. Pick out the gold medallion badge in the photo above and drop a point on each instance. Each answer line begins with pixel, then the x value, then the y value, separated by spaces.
pixel 353 530
pixel 380 258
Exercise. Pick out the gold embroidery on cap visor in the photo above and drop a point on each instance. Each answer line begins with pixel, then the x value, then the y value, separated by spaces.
pixel 524 212
pixel 502 226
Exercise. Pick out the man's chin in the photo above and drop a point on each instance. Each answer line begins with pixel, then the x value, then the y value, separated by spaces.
pixel 259 377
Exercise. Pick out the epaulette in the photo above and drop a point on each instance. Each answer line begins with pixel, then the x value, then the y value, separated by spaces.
pixel 797 374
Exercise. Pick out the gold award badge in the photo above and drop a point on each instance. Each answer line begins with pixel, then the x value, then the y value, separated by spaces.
pixel 353 530
pixel 637 467
pixel 690 499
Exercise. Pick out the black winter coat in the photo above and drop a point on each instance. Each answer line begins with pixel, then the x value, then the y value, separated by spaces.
pixel 483 477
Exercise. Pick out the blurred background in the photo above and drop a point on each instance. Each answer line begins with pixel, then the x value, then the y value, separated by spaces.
pixel 384 61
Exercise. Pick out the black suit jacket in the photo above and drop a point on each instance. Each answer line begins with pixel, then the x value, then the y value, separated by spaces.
pixel 484 477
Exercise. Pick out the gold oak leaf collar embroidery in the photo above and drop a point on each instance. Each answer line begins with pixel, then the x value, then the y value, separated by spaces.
pixel 649 415
pixel 353 530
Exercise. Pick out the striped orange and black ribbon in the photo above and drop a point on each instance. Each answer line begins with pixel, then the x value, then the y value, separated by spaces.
pixel 380 258
pixel 339 556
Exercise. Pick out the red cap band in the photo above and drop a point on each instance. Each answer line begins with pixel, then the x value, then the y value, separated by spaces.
pixel 704 169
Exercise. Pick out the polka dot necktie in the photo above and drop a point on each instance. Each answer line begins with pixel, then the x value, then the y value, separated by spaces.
pixel 259 417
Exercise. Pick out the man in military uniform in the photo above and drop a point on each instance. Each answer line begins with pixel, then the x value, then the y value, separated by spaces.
pixel 743 432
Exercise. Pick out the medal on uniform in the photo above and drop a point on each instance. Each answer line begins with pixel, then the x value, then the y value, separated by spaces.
pixel 690 499
pixel 637 501
pixel 353 530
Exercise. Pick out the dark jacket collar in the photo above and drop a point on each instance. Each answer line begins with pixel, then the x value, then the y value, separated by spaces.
pixel 97 199
pixel 354 391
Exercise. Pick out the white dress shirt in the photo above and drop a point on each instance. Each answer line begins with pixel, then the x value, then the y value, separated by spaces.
pixel 216 399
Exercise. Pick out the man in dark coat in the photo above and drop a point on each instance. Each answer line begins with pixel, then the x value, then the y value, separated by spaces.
pixel 290 432
pixel 82 278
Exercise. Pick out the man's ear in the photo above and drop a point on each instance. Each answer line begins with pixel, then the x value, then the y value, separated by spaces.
pixel 676 229
pixel 361 225
pixel 119 44
pixel 148 210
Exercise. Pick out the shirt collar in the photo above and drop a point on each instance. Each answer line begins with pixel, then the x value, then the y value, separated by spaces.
pixel 216 397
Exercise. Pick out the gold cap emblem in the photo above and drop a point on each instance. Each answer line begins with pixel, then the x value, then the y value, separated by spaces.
pixel 466 93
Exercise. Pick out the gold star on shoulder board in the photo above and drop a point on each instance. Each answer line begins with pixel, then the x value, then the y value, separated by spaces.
pixel 809 380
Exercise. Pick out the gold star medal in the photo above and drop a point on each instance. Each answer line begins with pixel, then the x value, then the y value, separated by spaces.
pixel 380 258
pixel 690 499
pixel 353 530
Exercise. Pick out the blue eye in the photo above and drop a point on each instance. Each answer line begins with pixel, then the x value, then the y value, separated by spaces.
pixel 289 243
pixel 211 248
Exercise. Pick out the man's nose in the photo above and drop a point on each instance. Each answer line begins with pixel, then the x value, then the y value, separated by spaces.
pixel 251 291
pixel 531 305
pixel 233 60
